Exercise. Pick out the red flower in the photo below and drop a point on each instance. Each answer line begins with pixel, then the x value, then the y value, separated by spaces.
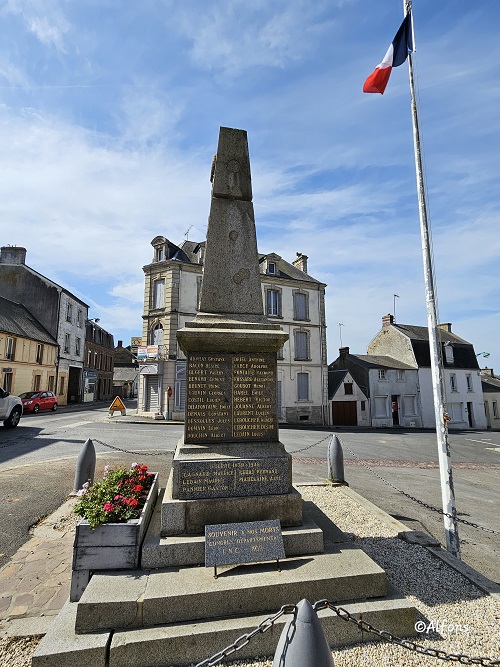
pixel 132 502
pixel 137 488
pixel 108 507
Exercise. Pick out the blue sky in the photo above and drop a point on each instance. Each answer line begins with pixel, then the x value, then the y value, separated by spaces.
pixel 109 117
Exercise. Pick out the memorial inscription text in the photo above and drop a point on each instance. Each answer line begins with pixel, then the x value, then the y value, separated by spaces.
pixel 231 397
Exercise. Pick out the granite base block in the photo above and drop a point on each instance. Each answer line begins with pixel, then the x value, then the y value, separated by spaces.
pixel 191 516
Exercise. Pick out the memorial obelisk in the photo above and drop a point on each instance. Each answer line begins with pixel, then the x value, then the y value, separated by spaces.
pixel 230 465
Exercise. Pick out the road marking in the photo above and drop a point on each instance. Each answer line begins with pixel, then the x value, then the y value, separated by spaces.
pixel 483 442
pixel 493 449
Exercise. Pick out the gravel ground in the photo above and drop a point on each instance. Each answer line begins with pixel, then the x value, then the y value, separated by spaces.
pixel 442 596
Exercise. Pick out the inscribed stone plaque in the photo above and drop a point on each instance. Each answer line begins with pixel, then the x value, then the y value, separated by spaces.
pixel 232 477
pixel 231 397
pixel 251 542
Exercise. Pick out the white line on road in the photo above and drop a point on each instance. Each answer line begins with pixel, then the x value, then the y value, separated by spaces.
pixel 483 442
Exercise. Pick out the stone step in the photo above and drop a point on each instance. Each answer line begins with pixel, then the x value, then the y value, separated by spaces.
pixel 183 550
pixel 133 599
pixel 187 643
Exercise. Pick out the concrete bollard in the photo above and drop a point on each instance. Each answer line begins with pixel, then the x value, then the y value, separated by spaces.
pixel 85 465
pixel 302 642
pixel 336 461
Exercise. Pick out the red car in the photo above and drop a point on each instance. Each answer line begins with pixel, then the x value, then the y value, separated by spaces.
pixel 34 401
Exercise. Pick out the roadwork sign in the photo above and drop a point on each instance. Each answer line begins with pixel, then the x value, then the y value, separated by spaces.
pixel 117 406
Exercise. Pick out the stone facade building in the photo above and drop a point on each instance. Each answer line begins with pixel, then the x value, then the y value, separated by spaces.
pixel 61 313
pixel 409 344
pixel 28 353
pixel 491 393
pixel 99 363
pixel 291 298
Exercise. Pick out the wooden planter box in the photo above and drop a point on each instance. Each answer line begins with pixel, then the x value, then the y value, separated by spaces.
pixel 111 546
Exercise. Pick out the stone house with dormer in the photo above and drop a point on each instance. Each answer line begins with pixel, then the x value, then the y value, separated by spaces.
pixel 409 344
pixel 291 297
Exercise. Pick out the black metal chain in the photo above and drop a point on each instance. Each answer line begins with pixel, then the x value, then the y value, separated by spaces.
pixel 128 451
pixel 364 626
pixel 421 502
pixel 264 626
pixel 311 446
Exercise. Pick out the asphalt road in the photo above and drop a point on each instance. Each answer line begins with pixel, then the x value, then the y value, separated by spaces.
pixel 37 466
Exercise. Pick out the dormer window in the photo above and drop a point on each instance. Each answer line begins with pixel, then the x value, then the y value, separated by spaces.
pixel 272 268
pixel 159 254
pixel 448 353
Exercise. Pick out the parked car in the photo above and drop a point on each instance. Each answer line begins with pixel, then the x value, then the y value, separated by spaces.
pixel 34 401
pixel 11 409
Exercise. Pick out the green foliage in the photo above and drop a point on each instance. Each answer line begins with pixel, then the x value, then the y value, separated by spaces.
pixel 119 497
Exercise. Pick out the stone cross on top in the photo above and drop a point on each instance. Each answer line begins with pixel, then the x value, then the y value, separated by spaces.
pixel 231 285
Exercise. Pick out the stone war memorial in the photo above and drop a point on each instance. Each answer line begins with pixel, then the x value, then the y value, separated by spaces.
pixel 229 500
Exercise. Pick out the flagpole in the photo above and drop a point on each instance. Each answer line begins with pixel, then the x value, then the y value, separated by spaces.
pixel 445 470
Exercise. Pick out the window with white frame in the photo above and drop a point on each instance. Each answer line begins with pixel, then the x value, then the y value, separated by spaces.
pixel 271 268
pixel 180 386
pixel 448 353
pixel 302 386
pixel 159 293
pixel 409 405
pixel 494 405
pixel 157 335
pixel 300 306
pixel 456 412
pixel 453 382
pixel 273 301
pixel 10 350
pixel 469 382
pixel 301 345
pixel 381 374
pixel 380 405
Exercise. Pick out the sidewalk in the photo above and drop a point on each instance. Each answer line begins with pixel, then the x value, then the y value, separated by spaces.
pixel 35 584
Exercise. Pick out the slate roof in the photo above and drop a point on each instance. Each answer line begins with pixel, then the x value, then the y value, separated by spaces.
pixel 463 351
pixel 287 270
pixel 490 384
pixel 335 379
pixel 15 319
pixel 380 361
pixel 125 374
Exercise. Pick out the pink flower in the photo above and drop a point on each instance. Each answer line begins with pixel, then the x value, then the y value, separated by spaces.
pixel 108 507
pixel 117 498
pixel 81 492
pixel 134 465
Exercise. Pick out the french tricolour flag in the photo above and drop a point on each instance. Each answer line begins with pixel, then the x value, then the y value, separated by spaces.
pixel 396 55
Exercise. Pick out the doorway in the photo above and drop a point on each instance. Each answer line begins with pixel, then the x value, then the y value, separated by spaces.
pixel 395 409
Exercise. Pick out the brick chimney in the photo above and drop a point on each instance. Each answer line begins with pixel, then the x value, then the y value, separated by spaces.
pixel 446 326
pixel 12 255
pixel 387 320
pixel 120 343
pixel 301 262
pixel 343 351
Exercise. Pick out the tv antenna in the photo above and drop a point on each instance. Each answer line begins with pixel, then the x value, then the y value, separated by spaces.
pixel 186 233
